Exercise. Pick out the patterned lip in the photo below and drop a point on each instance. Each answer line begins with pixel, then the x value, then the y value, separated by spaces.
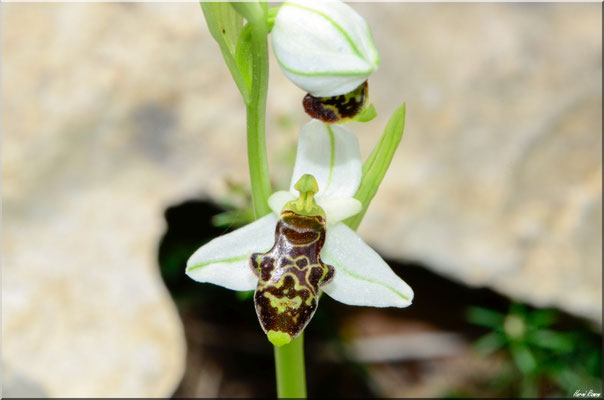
pixel 290 276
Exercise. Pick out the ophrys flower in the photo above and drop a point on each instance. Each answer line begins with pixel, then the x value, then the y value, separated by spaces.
pixel 327 173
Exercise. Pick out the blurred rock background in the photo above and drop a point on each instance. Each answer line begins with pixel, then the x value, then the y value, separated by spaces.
pixel 111 113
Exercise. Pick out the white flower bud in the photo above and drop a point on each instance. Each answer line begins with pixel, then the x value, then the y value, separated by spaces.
pixel 323 46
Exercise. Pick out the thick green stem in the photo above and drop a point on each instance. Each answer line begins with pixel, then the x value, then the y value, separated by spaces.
pixel 256 120
pixel 289 365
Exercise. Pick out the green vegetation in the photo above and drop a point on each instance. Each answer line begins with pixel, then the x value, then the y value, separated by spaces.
pixel 542 360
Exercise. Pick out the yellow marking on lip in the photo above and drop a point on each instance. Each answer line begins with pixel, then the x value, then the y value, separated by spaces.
pixel 282 304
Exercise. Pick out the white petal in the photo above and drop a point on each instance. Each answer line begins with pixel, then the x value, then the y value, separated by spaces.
pixel 349 20
pixel 331 154
pixel 278 200
pixel 323 46
pixel 339 208
pixel 225 261
pixel 362 277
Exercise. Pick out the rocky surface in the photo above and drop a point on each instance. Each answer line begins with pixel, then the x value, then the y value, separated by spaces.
pixel 498 179
pixel 113 112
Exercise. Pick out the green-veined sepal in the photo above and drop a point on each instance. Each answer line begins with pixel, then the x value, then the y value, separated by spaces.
pixel 224 261
pixel 362 277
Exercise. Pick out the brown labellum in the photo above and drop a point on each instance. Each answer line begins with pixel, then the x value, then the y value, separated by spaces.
pixel 290 276
pixel 337 109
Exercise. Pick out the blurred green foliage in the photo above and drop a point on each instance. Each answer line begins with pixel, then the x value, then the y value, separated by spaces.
pixel 238 205
pixel 543 360
pixel 191 225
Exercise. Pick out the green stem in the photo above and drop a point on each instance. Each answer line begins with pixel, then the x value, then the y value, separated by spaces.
pixel 289 366
pixel 289 359
pixel 256 119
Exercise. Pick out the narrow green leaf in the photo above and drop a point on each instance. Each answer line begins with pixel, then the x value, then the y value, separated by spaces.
pixel 225 25
pixel 489 343
pixel 377 164
pixel 523 358
pixel 557 342
pixel 543 317
pixel 243 55
pixel 485 317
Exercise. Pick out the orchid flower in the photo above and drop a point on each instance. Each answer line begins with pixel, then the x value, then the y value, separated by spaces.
pixel 302 248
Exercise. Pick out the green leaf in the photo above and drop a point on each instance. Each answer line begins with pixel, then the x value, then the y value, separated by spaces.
pixel 489 343
pixel 543 317
pixel 243 55
pixel 367 114
pixel 225 26
pixel 523 358
pixel 551 340
pixel 518 309
pixel 377 164
pixel 485 317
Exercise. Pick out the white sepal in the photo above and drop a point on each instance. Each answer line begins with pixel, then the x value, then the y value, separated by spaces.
pixel 362 277
pixel 323 46
pixel 331 154
pixel 225 261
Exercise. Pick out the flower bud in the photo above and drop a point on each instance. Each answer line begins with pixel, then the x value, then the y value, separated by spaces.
pixel 323 46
